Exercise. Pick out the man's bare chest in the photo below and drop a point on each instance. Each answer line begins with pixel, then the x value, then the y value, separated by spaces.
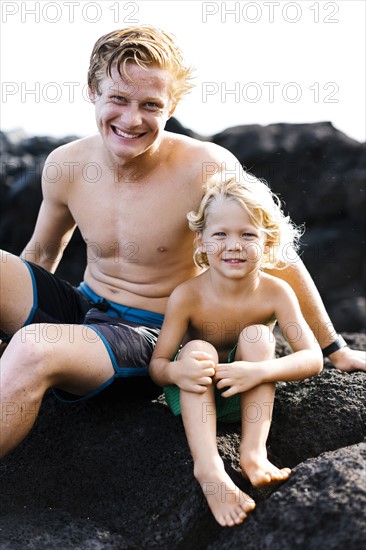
pixel 124 220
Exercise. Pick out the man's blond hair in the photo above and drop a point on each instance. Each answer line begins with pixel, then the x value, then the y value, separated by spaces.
pixel 145 45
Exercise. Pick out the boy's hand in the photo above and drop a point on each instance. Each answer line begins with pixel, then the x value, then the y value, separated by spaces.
pixel 238 377
pixel 194 371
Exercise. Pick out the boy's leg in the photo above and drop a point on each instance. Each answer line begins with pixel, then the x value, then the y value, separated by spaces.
pixel 70 357
pixel 228 504
pixel 16 293
pixel 257 343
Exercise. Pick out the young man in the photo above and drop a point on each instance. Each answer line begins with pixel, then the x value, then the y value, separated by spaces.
pixel 131 210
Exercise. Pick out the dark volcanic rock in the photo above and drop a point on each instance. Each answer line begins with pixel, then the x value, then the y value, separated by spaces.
pixel 115 473
pixel 321 506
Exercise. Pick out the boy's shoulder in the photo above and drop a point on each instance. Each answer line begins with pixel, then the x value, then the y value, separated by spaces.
pixel 188 291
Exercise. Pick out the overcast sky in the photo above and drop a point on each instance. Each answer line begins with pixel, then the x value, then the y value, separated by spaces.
pixel 256 62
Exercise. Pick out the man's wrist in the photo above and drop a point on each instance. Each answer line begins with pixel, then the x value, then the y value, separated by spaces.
pixel 338 344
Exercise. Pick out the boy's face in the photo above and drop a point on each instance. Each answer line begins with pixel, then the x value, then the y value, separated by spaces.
pixel 131 111
pixel 234 246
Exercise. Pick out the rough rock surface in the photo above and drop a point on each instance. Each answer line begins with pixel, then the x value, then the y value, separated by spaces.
pixel 115 473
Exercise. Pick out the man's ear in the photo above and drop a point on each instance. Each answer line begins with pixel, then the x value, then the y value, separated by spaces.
pixel 92 94
pixel 172 109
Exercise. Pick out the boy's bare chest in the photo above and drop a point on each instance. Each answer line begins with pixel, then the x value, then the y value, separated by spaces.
pixel 221 324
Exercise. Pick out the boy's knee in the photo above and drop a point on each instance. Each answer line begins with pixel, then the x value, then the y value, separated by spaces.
pixel 200 345
pixel 258 334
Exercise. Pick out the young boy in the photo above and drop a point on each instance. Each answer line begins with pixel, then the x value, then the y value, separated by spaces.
pixel 223 321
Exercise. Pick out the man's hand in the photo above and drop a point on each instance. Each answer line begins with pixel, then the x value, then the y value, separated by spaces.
pixel 348 360
pixel 194 371
pixel 238 377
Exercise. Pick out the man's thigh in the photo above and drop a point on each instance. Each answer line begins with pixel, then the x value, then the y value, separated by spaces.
pixel 46 298
pixel 16 293
pixel 77 360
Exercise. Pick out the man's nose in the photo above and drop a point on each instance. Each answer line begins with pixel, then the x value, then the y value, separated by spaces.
pixel 131 116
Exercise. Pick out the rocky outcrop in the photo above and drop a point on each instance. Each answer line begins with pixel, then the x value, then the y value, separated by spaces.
pixel 115 473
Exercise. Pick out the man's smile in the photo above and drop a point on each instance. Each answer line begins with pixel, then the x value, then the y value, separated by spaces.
pixel 126 135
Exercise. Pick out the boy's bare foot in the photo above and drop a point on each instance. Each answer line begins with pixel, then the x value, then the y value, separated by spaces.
pixel 229 505
pixel 261 472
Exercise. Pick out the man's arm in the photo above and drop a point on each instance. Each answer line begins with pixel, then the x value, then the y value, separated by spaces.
pixel 314 311
pixel 55 225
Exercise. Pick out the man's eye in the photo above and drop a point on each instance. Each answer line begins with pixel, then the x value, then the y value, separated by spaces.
pixel 152 105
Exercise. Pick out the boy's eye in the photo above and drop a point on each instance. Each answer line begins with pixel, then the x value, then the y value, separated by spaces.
pixel 249 235
pixel 219 234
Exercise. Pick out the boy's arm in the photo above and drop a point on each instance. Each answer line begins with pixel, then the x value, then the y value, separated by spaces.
pixel 305 361
pixel 195 371
pixel 316 316
pixel 55 225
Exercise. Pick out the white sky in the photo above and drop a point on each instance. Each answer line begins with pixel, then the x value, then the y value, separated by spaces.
pixel 282 61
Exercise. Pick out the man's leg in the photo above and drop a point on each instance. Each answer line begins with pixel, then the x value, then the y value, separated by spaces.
pixel 70 357
pixel 16 293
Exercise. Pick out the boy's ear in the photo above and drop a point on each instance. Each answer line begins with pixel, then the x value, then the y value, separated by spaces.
pixel 267 247
pixel 198 242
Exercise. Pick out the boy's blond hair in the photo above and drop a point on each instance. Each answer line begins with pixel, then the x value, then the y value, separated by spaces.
pixel 265 212
pixel 144 45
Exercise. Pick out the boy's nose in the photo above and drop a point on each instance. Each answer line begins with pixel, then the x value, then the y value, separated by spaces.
pixel 233 244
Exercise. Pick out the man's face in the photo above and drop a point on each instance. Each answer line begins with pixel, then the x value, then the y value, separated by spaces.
pixel 131 111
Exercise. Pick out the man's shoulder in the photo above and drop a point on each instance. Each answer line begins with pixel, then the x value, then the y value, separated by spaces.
pixel 274 284
pixel 74 149
pixel 196 148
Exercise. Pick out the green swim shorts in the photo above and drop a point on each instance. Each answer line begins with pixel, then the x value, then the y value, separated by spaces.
pixel 227 408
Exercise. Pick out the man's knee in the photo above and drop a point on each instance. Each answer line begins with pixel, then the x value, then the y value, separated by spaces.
pixel 30 346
